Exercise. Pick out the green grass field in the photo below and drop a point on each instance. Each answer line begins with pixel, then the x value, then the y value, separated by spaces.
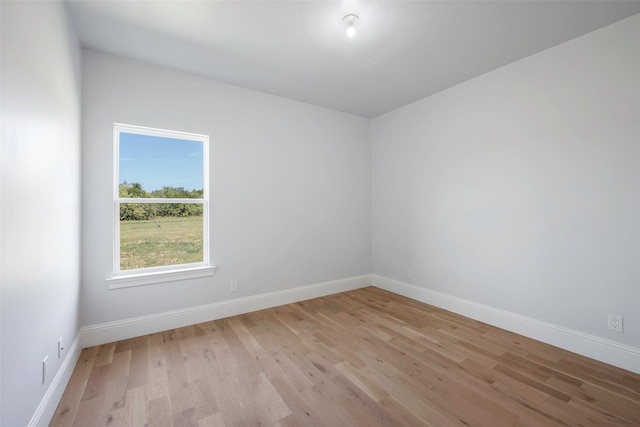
pixel 144 244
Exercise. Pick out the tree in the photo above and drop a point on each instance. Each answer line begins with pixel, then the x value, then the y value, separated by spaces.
pixel 132 190
pixel 145 211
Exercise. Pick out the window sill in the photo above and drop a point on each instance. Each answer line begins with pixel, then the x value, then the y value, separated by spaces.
pixel 144 279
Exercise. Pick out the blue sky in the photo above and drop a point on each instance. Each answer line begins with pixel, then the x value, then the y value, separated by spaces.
pixel 157 162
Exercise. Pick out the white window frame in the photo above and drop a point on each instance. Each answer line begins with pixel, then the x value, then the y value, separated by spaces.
pixel 160 274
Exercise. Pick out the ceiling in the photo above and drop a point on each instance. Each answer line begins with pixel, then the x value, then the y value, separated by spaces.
pixel 402 52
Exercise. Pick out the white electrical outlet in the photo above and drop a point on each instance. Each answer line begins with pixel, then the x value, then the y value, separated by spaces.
pixel 60 347
pixel 234 286
pixel 44 369
pixel 615 322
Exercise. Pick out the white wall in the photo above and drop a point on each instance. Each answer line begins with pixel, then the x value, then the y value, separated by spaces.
pixel 40 189
pixel 290 186
pixel 520 189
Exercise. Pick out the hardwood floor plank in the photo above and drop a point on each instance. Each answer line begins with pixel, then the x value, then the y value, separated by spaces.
pixel 105 354
pixel 529 408
pixel 139 364
pixel 97 382
pixel 368 411
pixel 214 420
pixel 525 380
pixel 158 381
pixel 631 383
pixel 84 365
pixel 87 413
pixel 625 407
pixel 113 402
pixel 120 365
pixel 136 407
pixel 268 398
pixel 361 381
pixel 159 412
pixel 67 409
pixel 243 334
pixel 302 412
pixel 404 415
pixel 360 358
pixel 240 353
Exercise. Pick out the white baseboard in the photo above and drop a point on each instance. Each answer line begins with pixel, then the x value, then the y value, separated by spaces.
pixel 607 351
pixel 138 326
pixel 45 411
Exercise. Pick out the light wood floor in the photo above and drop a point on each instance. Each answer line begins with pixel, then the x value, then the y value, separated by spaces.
pixel 360 358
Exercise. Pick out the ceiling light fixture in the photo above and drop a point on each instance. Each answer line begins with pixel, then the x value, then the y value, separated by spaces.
pixel 351 20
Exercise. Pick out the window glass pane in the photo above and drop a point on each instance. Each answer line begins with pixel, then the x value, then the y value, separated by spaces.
pixel 148 238
pixel 151 165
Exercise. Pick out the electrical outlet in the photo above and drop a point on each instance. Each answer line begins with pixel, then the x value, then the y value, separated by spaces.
pixel 615 322
pixel 234 286
pixel 44 369
pixel 60 347
pixel 409 273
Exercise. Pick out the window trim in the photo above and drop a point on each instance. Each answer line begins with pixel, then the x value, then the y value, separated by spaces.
pixel 159 274
pixel 151 278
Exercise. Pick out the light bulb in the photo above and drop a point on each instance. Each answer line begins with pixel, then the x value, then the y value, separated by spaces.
pixel 351 20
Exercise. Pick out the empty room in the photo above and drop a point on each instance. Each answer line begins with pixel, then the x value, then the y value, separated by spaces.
pixel 320 213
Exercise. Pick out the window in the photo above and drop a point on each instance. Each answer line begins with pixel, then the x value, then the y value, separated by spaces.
pixel 161 204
